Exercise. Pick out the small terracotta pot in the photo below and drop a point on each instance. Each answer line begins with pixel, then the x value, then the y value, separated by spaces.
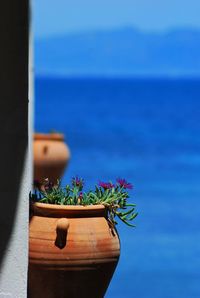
pixel 51 156
pixel 72 251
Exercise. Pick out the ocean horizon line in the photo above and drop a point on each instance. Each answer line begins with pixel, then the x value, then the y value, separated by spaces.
pixel 116 76
pixel 111 29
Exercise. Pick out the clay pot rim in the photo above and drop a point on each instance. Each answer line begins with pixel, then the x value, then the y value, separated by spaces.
pixel 68 207
pixel 44 209
pixel 54 136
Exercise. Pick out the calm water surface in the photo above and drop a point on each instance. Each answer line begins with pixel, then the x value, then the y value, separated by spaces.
pixel 147 131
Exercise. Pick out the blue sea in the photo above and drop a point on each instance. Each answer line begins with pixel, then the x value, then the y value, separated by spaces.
pixel 147 131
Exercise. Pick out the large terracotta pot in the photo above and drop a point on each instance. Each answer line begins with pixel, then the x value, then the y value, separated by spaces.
pixel 73 252
pixel 51 156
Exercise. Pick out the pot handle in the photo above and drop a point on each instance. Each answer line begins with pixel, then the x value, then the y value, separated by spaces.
pixel 61 231
pixel 45 149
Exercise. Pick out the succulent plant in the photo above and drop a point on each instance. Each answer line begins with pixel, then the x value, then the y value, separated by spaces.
pixel 112 196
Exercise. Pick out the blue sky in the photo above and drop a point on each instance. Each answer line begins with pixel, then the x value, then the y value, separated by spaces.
pixel 53 17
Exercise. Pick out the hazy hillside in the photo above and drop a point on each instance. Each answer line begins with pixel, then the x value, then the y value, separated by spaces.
pixel 120 52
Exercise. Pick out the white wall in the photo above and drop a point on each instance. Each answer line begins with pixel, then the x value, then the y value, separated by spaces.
pixel 15 155
pixel 13 276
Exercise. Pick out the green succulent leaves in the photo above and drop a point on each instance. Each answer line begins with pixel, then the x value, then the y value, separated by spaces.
pixel 113 197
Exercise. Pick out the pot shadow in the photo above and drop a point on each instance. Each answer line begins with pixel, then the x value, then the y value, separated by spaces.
pixel 61 238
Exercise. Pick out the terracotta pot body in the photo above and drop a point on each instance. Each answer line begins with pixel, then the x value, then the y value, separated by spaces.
pixel 72 252
pixel 51 156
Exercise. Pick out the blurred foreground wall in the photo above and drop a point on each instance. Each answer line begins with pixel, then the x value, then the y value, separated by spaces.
pixel 15 165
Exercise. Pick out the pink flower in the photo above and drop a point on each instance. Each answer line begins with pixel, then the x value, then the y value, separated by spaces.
pixel 80 196
pixel 123 183
pixel 77 182
pixel 106 185
pixel 48 185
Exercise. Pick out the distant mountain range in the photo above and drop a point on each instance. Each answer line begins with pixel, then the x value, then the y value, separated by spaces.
pixel 122 52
